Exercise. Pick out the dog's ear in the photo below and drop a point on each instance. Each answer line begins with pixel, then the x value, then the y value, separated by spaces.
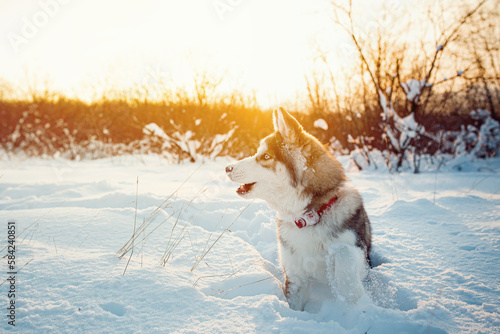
pixel 286 125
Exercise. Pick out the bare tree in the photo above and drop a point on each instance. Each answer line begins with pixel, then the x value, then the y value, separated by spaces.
pixel 403 78
pixel 205 86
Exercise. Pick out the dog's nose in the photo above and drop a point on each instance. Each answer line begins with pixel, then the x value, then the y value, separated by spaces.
pixel 229 169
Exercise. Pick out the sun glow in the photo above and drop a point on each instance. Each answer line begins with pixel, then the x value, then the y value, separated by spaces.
pixel 80 46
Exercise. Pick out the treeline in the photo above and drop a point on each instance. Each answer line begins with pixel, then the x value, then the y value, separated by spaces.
pixel 75 129
pixel 79 130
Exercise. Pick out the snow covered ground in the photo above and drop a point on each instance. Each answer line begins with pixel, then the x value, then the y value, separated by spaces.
pixel 209 262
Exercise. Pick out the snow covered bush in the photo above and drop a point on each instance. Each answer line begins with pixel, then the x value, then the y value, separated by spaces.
pixel 35 135
pixel 403 134
pixel 478 141
pixel 408 86
pixel 487 137
pixel 181 146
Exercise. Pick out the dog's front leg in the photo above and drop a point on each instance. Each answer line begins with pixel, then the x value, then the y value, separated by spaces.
pixel 296 292
pixel 346 268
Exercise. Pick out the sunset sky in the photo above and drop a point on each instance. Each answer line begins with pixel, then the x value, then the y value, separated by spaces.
pixel 258 45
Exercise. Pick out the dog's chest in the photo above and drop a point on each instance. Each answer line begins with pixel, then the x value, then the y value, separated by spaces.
pixel 303 250
pixel 302 241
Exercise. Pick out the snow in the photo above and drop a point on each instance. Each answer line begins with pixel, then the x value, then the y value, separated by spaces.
pixel 155 130
pixel 413 88
pixel 436 239
pixel 321 124
pixel 409 129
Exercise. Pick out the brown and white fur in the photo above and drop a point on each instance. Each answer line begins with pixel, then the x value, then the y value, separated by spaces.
pixel 295 174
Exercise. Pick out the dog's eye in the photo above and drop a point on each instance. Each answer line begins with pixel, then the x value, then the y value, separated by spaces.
pixel 266 156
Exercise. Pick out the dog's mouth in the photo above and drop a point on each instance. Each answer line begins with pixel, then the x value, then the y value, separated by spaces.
pixel 245 188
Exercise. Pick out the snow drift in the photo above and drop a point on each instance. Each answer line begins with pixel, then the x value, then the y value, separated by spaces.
pixel 436 239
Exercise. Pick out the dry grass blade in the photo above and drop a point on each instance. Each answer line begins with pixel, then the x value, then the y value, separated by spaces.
pixel 55 247
pixel 31 229
pixel 80 232
pixel 151 218
pixel 145 237
pixel 142 247
pixel 227 276
pixel 19 270
pixel 209 276
pixel 247 284
pixel 220 236
pixel 135 224
pixel 210 236
pixel 171 247
pixel 129 244
pixel 166 255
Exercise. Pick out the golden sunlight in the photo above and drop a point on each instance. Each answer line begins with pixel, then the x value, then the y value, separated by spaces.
pixel 80 48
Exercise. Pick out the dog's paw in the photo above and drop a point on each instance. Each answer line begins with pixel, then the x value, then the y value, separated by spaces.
pixel 296 305
pixel 296 295
pixel 345 270
pixel 349 290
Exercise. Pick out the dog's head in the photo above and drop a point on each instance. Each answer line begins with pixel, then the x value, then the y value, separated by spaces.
pixel 289 163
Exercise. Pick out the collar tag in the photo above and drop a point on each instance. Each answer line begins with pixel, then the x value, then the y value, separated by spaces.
pixel 312 217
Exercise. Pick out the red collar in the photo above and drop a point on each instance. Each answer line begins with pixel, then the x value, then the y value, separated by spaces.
pixel 313 217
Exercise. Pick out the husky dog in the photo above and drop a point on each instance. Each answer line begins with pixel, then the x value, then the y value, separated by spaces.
pixel 323 230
